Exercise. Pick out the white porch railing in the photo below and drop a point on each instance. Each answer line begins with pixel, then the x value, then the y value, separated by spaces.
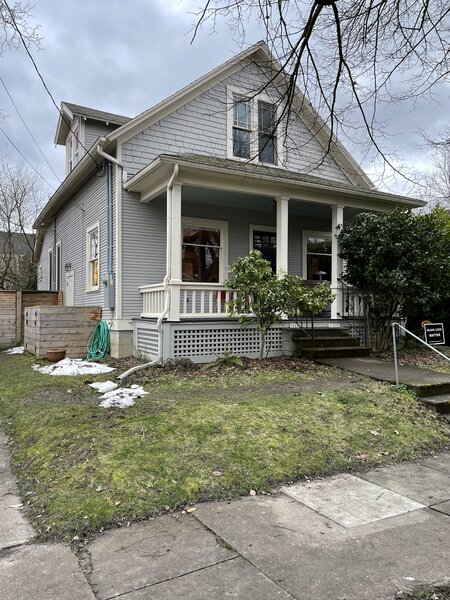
pixel 196 300
pixel 203 301
pixel 153 299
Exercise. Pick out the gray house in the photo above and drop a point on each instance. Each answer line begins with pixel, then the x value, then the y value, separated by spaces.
pixel 154 209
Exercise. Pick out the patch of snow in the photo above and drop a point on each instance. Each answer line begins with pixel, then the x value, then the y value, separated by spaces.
pixel 104 386
pixel 16 350
pixel 123 397
pixel 73 366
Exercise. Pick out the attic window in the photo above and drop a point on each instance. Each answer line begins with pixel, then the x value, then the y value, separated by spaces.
pixel 252 129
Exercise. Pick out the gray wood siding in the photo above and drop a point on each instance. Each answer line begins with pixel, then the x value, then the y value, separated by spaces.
pixel 200 127
pixel 144 249
pixel 95 129
pixel 83 210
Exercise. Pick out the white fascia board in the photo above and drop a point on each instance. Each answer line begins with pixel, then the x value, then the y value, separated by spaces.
pixel 186 94
pixel 216 177
pixel 60 135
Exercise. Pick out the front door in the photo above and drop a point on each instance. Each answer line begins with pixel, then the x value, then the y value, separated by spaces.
pixel 266 243
pixel 70 289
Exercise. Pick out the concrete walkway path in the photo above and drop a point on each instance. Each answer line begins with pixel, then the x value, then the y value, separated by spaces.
pixel 348 537
pixel 384 371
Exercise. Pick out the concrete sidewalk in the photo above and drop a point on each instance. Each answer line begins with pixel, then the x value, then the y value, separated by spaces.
pixel 342 538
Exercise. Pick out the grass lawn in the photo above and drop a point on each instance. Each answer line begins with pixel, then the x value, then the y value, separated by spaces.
pixel 198 435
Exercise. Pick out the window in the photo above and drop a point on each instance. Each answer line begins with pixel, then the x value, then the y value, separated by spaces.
pixel 318 256
pixel 58 268
pixel 252 129
pixel 203 250
pixel 241 127
pixel 264 239
pixel 92 247
pixel 50 269
pixel 267 116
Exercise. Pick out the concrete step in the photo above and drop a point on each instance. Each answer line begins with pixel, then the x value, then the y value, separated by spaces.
pixel 323 332
pixel 325 342
pixel 428 390
pixel 335 352
pixel 441 403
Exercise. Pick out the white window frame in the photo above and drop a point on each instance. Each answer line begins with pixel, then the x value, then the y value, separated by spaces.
pixel 58 266
pixel 89 230
pixel 222 226
pixel 252 228
pixel 51 268
pixel 254 144
pixel 307 234
pixel 74 144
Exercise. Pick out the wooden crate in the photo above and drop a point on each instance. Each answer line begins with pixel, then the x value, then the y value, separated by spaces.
pixel 66 327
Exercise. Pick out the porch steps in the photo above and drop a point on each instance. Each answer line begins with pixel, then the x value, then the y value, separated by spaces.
pixel 327 343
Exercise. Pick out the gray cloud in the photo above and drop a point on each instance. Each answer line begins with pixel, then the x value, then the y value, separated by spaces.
pixel 125 57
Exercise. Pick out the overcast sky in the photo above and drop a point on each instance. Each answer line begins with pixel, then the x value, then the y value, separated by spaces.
pixel 123 57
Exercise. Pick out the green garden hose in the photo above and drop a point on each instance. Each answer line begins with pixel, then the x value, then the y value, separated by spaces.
pixel 98 344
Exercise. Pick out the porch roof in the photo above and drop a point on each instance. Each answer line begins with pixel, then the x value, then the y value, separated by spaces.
pixel 265 180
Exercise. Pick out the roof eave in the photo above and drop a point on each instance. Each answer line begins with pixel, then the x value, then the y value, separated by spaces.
pixel 153 171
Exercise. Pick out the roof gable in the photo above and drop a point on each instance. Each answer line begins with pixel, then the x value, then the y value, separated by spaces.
pixel 69 110
pixel 258 53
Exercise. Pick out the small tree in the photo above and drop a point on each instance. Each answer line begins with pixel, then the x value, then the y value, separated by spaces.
pixel 258 296
pixel 400 262
pixel 300 298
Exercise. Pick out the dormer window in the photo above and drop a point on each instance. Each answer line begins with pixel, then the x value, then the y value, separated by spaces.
pixel 252 124
pixel 73 145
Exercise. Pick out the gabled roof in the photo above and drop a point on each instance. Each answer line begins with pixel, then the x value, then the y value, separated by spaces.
pixel 69 110
pixel 260 53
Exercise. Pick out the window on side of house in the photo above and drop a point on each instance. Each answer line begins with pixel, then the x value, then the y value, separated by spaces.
pixel 58 266
pixel 50 269
pixel 318 257
pixel 92 251
pixel 203 250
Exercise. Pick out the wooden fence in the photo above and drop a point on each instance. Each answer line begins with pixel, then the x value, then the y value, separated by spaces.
pixel 12 310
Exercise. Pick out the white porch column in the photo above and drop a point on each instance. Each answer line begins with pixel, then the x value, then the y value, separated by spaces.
pixel 174 241
pixel 337 220
pixel 282 233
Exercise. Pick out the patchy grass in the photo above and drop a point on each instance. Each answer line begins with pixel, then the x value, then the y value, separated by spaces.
pixel 81 468
pixel 415 355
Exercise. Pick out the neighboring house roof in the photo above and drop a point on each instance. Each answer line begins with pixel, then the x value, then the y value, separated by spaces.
pixel 22 243
pixel 69 110
pixel 246 171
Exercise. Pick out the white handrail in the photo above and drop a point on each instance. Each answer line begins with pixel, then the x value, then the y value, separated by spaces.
pixel 394 343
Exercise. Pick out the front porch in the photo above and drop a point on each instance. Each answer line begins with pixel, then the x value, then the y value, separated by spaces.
pixel 214 214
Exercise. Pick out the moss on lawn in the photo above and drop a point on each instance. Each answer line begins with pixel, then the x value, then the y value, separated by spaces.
pixel 81 467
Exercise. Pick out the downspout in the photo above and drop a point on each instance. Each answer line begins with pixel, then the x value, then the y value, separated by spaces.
pixel 167 278
pixel 53 282
pixel 110 281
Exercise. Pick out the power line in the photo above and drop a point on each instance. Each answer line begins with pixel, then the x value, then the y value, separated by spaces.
pixel 28 129
pixel 24 157
pixel 63 116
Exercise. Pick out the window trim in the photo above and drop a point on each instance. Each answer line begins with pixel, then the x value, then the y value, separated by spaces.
pixel 312 233
pixel 51 268
pixel 254 131
pixel 223 248
pixel 58 267
pixel 89 230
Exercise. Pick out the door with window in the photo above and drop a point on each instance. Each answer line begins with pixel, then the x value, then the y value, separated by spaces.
pixel 265 240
